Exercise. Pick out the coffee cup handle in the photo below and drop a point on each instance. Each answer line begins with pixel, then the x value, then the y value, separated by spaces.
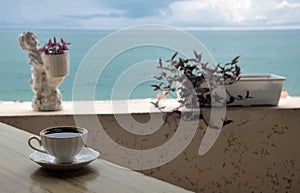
pixel 40 143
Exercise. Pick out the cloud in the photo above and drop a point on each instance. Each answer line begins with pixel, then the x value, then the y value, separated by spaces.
pixel 95 15
pixel 234 13
pixel 179 13
pixel 194 13
pixel 56 13
pixel 138 8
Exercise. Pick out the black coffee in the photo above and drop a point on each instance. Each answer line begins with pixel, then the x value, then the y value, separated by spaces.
pixel 62 133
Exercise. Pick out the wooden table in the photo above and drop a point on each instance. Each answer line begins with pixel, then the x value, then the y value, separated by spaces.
pixel 19 174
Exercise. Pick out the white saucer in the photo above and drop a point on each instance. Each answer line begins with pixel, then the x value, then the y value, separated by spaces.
pixel 86 156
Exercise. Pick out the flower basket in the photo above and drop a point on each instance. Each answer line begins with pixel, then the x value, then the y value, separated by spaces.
pixel 56 65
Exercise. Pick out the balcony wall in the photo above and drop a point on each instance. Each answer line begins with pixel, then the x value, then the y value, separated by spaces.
pixel 258 152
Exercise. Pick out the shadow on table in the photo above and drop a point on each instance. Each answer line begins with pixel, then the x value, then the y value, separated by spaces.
pixel 43 178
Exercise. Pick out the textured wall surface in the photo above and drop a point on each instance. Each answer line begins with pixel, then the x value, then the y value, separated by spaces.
pixel 258 152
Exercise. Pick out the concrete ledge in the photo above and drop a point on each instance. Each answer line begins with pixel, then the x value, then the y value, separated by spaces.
pixel 8 109
pixel 258 152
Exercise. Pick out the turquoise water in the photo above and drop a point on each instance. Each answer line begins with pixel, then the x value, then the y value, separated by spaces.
pixel 262 52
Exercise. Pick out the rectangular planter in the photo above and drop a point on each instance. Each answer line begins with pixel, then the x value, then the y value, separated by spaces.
pixel 264 89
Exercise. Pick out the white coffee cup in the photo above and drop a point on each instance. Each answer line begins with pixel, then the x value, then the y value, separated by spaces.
pixel 62 142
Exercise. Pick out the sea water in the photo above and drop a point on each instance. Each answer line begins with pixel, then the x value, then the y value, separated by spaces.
pixel 261 52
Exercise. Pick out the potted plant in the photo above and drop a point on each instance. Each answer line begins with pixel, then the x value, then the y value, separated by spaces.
pixel 55 58
pixel 197 85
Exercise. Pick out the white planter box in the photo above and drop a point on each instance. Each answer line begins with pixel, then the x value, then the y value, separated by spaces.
pixel 264 89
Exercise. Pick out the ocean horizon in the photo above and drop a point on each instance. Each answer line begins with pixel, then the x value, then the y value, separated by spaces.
pixel 261 52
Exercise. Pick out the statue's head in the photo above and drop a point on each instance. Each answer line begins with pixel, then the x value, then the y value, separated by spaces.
pixel 28 41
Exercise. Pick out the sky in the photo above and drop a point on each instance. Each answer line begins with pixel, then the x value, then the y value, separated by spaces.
pixel 116 14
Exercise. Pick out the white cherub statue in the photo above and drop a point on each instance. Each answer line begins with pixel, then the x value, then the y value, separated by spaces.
pixel 47 96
